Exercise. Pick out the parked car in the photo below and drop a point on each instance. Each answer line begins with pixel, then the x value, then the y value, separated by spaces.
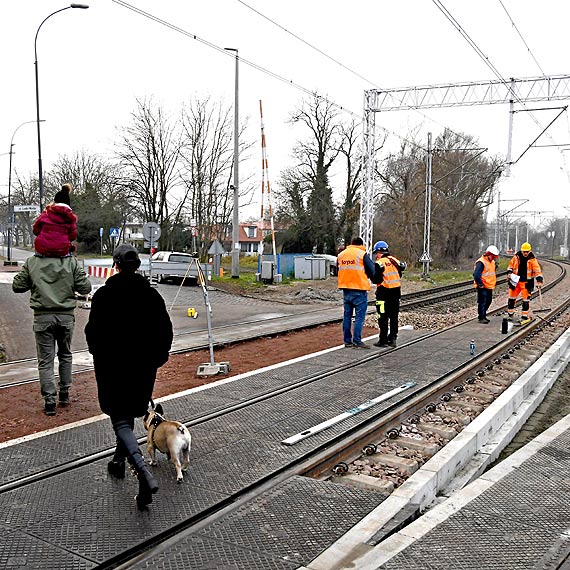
pixel 173 265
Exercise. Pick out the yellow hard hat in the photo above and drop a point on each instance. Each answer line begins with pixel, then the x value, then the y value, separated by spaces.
pixel 526 246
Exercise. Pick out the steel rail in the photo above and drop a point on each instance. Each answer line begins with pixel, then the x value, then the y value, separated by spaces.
pixel 409 301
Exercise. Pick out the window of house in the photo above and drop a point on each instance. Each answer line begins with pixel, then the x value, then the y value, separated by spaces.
pixel 251 231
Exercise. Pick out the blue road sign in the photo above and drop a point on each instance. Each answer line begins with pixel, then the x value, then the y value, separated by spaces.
pixel 114 232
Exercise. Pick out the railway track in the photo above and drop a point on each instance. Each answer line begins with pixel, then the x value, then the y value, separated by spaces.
pixel 407 427
pixel 437 300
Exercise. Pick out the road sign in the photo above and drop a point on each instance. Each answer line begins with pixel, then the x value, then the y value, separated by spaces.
pixel 216 248
pixel 114 232
pixel 151 231
pixel 27 208
pixel 100 232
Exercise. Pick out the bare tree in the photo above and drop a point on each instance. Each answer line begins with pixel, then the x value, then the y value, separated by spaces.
pixel 399 213
pixel 149 150
pixel 462 184
pixel 463 181
pixel 100 198
pixel 207 155
pixel 314 157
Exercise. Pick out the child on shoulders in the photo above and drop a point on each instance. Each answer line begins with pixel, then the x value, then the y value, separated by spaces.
pixel 56 226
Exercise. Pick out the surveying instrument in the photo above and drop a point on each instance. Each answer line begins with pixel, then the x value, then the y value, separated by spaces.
pixel 208 368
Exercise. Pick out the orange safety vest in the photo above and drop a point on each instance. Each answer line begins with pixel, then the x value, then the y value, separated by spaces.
pixel 351 273
pixel 391 276
pixel 532 267
pixel 489 275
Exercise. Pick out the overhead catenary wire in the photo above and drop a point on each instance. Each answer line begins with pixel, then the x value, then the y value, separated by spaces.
pixel 257 67
pixel 522 39
pixel 329 57
pixel 489 64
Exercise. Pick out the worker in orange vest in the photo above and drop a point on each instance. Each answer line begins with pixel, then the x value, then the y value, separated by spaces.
pixel 355 269
pixel 523 269
pixel 485 279
pixel 388 293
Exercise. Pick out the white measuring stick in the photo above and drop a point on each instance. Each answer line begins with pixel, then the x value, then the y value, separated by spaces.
pixel 353 411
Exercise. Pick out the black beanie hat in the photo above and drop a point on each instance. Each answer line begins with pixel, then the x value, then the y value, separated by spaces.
pixel 126 257
pixel 62 197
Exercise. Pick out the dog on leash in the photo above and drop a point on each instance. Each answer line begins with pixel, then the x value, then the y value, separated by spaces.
pixel 169 437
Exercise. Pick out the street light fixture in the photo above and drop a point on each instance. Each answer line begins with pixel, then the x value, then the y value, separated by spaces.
pixel 10 216
pixel 235 186
pixel 40 171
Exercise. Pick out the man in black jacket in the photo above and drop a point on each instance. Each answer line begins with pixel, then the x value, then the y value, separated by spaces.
pixel 129 334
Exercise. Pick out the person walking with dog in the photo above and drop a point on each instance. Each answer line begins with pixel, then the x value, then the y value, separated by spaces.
pixel 485 279
pixel 52 282
pixel 355 269
pixel 126 312
pixel 522 271
pixel 388 293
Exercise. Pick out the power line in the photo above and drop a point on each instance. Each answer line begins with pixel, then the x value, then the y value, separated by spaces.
pixel 307 43
pixel 241 59
pixel 521 37
pixel 486 60
pixel 321 52
pixel 255 66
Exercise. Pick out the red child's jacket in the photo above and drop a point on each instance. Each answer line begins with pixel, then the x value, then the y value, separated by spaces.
pixel 56 228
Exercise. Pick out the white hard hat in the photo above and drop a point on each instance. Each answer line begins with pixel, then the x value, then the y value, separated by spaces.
pixel 493 250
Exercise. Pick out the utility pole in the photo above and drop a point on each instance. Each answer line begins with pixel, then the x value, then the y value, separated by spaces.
pixel 235 187
pixel 426 257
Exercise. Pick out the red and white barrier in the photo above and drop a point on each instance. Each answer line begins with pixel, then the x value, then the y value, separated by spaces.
pixel 99 271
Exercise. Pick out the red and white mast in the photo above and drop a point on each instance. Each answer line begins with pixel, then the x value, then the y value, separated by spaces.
pixel 266 207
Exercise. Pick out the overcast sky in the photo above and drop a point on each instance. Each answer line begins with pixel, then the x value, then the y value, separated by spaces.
pixel 94 63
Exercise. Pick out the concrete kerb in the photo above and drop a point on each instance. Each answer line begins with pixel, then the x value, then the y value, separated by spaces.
pixel 471 451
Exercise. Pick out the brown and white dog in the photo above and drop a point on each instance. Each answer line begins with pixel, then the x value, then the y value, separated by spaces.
pixel 170 437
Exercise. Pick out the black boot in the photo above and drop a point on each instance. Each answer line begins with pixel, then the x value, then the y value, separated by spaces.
pixel 116 469
pixel 147 483
pixel 128 446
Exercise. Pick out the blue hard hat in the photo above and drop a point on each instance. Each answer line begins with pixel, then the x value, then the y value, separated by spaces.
pixel 380 246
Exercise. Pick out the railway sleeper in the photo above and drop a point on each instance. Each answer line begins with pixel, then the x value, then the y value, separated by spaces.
pixel 426 448
pixel 445 432
pixel 464 405
pixel 368 482
pixel 461 419
pixel 511 366
pixel 402 464
pixel 504 378
pixel 492 388
pixel 478 395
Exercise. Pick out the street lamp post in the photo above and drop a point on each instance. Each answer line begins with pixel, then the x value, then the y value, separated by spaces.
pixel 10 216
pixel 40 171
pixel 235 187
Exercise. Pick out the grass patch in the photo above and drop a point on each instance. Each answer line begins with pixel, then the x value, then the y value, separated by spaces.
pixel 441 277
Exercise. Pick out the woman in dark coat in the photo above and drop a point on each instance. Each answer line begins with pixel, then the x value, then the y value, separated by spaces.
pixel 129 334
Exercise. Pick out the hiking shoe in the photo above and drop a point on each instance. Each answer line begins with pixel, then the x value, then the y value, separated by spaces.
pixel 64 398
pixel 484 321
pixel 348 345
pixel 392 343
pixel 49 409
pixel 380 344
pixel 361 345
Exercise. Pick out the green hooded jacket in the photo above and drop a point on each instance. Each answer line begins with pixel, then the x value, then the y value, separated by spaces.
pixel 52 282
